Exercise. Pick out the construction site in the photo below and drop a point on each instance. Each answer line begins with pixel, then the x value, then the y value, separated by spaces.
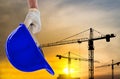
pixel 91 49
pixel 79 39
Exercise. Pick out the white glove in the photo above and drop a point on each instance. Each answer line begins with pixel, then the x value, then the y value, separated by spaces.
pixel 32 20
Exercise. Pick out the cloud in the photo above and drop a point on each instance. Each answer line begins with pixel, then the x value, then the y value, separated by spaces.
pixel 12 13
pixel 101 12
pixel 103 4
pixel 104 12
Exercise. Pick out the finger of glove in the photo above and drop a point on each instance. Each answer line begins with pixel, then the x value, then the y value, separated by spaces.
pixel 28 22
pixel 36 24
pixel 36 28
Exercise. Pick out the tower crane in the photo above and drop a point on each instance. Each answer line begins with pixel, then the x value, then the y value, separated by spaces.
pixel 112 67
pixel 73 58
pixel 90 41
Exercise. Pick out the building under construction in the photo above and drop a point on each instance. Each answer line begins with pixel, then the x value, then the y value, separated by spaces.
pixel 64 76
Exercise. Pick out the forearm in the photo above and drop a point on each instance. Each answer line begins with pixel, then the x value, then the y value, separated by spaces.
pixel 32 3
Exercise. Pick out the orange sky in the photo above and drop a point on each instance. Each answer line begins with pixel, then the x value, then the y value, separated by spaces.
pixel 61 19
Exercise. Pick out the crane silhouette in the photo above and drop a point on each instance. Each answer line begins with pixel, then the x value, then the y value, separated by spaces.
pixel 112 67
pixel 73 58
pixel 90 41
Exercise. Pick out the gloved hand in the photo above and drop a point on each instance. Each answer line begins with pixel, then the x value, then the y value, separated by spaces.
pixel 32 20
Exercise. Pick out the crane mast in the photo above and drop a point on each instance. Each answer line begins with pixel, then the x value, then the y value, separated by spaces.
pixel 69 62
pixel 91 55
pixel 112 65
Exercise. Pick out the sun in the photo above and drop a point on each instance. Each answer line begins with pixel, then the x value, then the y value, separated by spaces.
pixel 65 70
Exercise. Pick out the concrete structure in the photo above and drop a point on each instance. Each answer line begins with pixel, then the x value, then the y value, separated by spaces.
pixel 64 76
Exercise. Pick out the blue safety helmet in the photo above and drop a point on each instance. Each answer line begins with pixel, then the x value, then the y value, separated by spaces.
pixel 23 52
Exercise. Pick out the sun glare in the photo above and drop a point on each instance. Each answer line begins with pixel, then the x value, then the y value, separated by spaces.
pixel 67 72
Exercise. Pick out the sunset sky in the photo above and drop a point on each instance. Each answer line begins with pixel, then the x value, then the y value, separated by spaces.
pixel 61 19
